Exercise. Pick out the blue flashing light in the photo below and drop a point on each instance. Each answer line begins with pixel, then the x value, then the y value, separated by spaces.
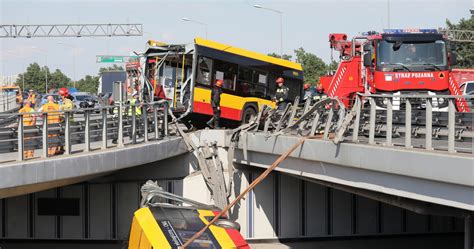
pixel 410 31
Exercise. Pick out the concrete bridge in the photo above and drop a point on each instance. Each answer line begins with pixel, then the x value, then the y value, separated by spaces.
pixel 372 179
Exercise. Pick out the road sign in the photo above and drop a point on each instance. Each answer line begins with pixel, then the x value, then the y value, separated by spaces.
pixel 114 58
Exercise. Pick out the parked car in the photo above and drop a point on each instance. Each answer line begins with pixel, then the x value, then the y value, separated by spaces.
pixel 85 100
pixel 467 88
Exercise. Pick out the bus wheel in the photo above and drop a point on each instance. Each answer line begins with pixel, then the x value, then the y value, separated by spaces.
pixel 225 223
pixel 248 114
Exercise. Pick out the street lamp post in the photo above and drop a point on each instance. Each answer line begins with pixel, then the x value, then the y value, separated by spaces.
pixel 194 21
pixel 281 25
pixel 73 60
pixel 46 64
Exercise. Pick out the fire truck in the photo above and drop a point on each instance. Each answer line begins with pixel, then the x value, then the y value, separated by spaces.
pixel 395 62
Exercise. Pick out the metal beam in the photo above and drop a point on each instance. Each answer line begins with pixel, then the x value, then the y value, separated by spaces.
pixel 459 35
pixel 70 30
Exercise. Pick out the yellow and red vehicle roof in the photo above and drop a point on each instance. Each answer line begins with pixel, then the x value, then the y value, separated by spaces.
pixel 170 227
pixel 247 53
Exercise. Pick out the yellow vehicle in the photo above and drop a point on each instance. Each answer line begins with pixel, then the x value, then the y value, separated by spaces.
pixel 159 224
pixel 185 73
pixel 10 89
pixel 166 226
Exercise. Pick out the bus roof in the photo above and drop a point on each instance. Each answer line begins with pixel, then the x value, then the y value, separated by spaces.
pixel 247 53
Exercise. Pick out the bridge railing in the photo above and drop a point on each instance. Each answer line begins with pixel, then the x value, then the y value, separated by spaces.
pixel 411 121
pixel 421 121
pixel 81 130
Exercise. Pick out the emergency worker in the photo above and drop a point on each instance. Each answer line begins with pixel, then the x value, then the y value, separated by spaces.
pixel 319 94
pixel 66 105
pixel 28 120
pixel 19 98
pixel 215 103
pixel 411 54
pixel 308 92
pixel 53 118
pixel 281 96
pixel 135 103
pixel 66 98
pixel 32 98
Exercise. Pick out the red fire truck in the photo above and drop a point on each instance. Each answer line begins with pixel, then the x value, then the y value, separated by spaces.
pixel 463 75
pixel 395 62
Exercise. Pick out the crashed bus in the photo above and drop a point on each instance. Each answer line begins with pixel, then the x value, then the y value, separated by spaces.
pixel 184 74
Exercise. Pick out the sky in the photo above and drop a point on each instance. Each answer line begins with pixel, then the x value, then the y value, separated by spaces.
pixel 306 24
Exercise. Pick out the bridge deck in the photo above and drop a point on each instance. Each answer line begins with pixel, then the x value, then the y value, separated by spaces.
pixel 435 177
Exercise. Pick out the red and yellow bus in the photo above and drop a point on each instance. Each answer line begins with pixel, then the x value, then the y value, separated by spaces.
pixel 185 73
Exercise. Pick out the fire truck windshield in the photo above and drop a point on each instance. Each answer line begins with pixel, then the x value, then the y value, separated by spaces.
pixel 411 56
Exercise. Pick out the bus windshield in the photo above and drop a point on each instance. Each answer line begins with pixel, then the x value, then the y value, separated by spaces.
pixel 407 56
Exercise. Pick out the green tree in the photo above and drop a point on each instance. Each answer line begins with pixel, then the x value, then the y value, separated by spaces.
pixel 114 67
pixel 58 79
pixel 88 84
pixel 285 56
pixel 332 66
pixel 465 50
pixel 313 66
pixel 35 78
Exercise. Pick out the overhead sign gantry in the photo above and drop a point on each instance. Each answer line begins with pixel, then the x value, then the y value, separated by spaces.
pixel 70 30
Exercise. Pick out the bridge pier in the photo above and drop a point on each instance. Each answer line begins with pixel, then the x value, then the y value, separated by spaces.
pixel 468 233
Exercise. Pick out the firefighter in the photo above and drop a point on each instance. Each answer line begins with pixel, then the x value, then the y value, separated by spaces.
pixel 411 54
pixel 67 103
pixel 53 118
pixel 319 94
pixel 308 92
pixel 135 102
pixel 32 98
pixel 281 96
pixel 28 120
pixel 19 98
pixel 215 103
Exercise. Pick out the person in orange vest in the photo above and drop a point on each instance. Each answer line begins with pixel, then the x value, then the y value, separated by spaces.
pixel 28 120
pixel 19 98
pixel 53 118
pixel 32 98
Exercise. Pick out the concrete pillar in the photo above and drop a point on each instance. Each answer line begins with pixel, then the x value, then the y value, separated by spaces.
pixel 468 233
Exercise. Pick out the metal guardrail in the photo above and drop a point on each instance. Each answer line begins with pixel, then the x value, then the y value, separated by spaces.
pixel 410 121
pixel 83 127
pixel 8 102
pixel 443 125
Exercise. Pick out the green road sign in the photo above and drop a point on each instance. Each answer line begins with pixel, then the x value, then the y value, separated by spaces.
pixel 114 58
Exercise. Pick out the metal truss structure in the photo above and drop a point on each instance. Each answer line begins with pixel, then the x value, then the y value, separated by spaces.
pixel 70 30
pixel 459 35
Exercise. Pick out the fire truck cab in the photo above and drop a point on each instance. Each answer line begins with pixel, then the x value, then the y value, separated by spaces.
pixel 395 62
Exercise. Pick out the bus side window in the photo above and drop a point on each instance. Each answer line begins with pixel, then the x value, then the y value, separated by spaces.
pixel 226 72
pixel 204 71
